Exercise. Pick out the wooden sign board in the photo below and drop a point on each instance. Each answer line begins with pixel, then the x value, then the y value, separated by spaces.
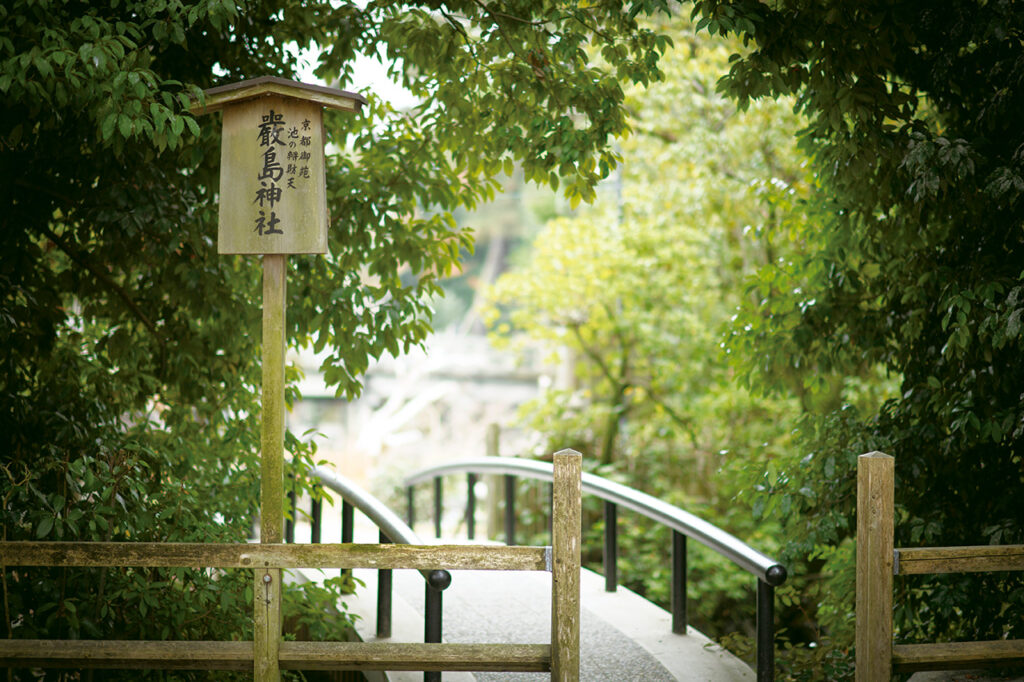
pixel 272 189
pixel 273 197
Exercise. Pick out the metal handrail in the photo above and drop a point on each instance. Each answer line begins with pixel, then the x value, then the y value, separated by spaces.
pixel 392 530
pixel 386 520
pixel 769 573
pixel 726 544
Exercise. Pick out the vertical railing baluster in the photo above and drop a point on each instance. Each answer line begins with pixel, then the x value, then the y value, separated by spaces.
pixel 611 546
pixel 347 521
pixel 765 632
pixel 471 506
pixel 317 512
pixel 510 509
pixel 384 596
pixel 433 614
pixel 438 504
pixel 678 583
pixel 410 506
pixel 347 527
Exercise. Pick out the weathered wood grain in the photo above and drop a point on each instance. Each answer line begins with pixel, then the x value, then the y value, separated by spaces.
pixel 275 268
pixel 179 655
pixel 267 622
pixel 565 579
pixel 874 566
pixel 267 587
pixel 386 656
pixel 956 655
pixel 251 221
pixel 206 655
pixel 981 558
pixel 420 557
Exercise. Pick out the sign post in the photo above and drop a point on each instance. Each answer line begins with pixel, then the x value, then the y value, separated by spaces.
pixel 273 202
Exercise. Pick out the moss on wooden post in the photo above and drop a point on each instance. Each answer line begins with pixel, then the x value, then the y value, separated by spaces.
pixel 565 576
pixel 874 566
pixel 267 585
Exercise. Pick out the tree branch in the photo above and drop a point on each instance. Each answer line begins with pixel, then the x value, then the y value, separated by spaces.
pixel 491 13
pixel 592 354
pixel 105 280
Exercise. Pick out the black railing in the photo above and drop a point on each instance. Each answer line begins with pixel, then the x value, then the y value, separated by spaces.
pixel 769 573
pixel 392 530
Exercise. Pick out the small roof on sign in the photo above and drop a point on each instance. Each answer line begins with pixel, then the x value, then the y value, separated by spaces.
pixel 223 95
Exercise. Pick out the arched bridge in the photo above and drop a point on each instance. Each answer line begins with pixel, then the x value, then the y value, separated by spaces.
pixel 623 637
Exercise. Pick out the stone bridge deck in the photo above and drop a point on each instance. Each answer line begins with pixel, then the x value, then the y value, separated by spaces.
pixel 623 636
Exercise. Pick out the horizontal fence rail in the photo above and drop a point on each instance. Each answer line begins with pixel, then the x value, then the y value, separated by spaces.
pixel 768 572
pixel 430 657
pixel 878 561
pixel 976 559
pixel 206 655
pixel 246 555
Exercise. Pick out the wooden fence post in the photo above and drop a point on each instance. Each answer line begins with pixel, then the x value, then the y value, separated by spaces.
pixel 565 575
pixel 267 587
pixel 874 566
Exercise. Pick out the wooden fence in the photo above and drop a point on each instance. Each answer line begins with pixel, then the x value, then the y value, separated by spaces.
pixel 562 560
pixel 878 561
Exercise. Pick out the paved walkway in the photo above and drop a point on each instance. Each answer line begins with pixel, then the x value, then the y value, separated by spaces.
pixel 623 636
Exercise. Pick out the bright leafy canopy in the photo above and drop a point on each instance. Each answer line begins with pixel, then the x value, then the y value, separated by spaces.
pixel 639 286
pixel 631 298
pixel 129 381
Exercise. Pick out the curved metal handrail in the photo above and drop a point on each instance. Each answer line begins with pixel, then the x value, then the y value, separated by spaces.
pixel 389 523
pixel 385 519
pixel 766 570
pixel 726 544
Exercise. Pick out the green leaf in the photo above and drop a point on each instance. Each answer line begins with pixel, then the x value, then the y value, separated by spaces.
pixel 1013 323
pixel 44 527
pixel 107 127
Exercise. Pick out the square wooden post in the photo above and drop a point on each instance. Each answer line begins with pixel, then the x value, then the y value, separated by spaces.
pixel 875 472
pixel 267 587
pixel 566 533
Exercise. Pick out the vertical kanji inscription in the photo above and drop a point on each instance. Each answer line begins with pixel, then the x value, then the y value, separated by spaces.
pixel 273 196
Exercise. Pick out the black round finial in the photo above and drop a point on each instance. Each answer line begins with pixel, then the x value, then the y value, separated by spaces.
pixel 776 575
pixel 440 580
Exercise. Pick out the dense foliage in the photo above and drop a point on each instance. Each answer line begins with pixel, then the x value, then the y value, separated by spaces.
pixel 914 129
pixel 888 302
pixel 129 380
